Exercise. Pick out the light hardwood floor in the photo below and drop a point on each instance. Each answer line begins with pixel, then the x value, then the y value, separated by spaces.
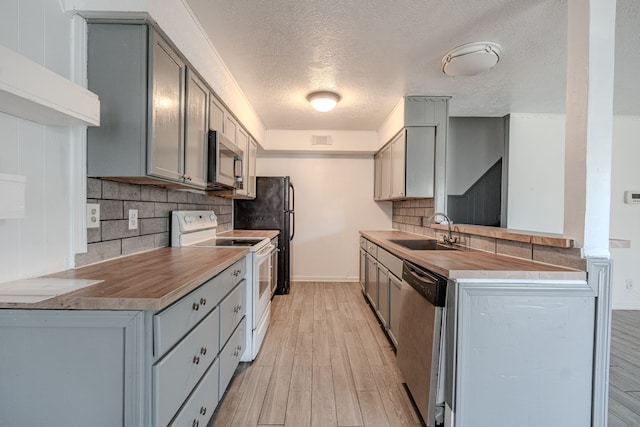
pixel 325 362
pixel 624 372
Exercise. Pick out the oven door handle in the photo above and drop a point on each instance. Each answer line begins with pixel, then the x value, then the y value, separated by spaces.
pixel 265 252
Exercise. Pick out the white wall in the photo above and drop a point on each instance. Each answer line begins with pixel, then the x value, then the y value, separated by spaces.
pixel 536 173
pixel 625 218
pixel 342 141
pixel 334 200
pixel 40 243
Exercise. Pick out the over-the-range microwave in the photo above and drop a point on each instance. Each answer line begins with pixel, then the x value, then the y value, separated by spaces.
pixel 224 163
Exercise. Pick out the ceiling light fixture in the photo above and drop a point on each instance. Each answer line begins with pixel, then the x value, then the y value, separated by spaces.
pixel 323 101
pixel 471 59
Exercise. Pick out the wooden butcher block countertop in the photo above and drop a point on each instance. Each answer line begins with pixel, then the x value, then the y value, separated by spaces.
pixel 146 281
pixel 467 264
pixel 269 234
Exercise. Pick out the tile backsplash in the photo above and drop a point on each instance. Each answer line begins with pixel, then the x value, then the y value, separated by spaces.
pixel 408 214
pixel 154 204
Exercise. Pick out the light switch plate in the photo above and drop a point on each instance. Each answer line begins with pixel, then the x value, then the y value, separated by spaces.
pixel 93 215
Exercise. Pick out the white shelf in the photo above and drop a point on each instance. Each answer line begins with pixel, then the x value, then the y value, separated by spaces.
pixel 33 92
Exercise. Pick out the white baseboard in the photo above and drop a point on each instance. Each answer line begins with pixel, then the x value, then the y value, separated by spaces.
pixel 324 279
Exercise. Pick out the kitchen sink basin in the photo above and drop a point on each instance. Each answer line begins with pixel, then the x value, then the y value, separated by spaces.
pixel 422 244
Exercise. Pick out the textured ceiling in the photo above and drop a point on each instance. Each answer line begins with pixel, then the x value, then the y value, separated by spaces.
pixel 373 52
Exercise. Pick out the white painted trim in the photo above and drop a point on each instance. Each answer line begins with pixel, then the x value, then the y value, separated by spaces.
pixel 78 161
pixel 354 279
pixel 33 92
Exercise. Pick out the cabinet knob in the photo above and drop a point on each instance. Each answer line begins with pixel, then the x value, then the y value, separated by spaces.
pixel 235 353
pixel 203 301
pixel 196 306
pixel 239 348
pixel 188 178
pixel 195 422
pixel 203 350
pixel 196 360
pixel 203 410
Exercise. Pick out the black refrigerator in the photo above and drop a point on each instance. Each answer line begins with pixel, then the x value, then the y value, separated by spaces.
pixel 272 209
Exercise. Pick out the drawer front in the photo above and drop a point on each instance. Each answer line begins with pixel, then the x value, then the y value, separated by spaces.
pixel 180 370
pixel 392 262
pixel 372 248
pixel 233 275
pixel 172 323
pixel 198 409
pixel 363 243
pixel 230 355
pixel 232 309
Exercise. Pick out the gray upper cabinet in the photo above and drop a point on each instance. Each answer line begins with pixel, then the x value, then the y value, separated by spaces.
pixel 251 158
pixel 377 177
pixel 196 131
pixel 166 124
pixel 216 114
pixel 242 141
pixel 230 128
pixel 149 107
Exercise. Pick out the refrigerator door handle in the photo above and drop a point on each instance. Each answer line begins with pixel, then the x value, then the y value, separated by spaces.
pixel 292 198
pixel 293 224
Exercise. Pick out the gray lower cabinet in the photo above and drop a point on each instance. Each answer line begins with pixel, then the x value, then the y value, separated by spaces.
pixel 395 284
pixel 380 278
pixel 371 285
pixel 519 352
pixel 124 368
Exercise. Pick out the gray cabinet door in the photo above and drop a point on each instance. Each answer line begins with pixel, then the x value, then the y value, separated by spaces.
pixel 242 140
pixel 398 148
pixel 196 134
pixel 363 268
pixel 383 295
pixel 71 368
pixel 395 285
pixel 252 155
pixel 377 177
pixel 230 128
pixel 166 110
pixel 216 114
pixel 385 173
pixel 372 281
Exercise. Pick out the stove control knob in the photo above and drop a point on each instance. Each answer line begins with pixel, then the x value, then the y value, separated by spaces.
pixel 188 219
pixel 212 217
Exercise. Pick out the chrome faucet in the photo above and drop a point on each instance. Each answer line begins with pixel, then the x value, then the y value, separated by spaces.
pixel 449 239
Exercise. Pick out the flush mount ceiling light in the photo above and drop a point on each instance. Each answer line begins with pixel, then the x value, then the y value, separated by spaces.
pixel 323 101
pixel 471 59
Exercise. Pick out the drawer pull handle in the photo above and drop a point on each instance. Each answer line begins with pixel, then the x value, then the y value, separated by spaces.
pixel 196 360
pixel 203 350
pixel 235 353
pixel 203 301
pixel 239 348
pixel 195 423
pixel 203 411
pixel 196 306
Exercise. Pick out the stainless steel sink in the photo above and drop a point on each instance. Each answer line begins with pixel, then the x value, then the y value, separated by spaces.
pixel 422 244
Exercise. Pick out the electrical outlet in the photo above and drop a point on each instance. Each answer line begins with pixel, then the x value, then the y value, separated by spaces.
pixel 133 219
pixel 93 215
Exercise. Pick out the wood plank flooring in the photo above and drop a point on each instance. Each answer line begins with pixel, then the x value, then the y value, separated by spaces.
pixel 624 372
pixel 325 362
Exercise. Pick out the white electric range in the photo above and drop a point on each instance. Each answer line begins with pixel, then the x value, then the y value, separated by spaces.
pixel 198 229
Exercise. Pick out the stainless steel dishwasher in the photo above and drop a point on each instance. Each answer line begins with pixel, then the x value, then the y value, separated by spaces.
pixel 420 339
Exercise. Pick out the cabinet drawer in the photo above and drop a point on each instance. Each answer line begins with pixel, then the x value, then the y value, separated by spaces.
pixel 198 409
pixel 232 308
pixel 233 275
pixel 180 370
pixel 363 243
pixel 230 355
pixel 390 261
pixel 172 323
pixel 372 248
